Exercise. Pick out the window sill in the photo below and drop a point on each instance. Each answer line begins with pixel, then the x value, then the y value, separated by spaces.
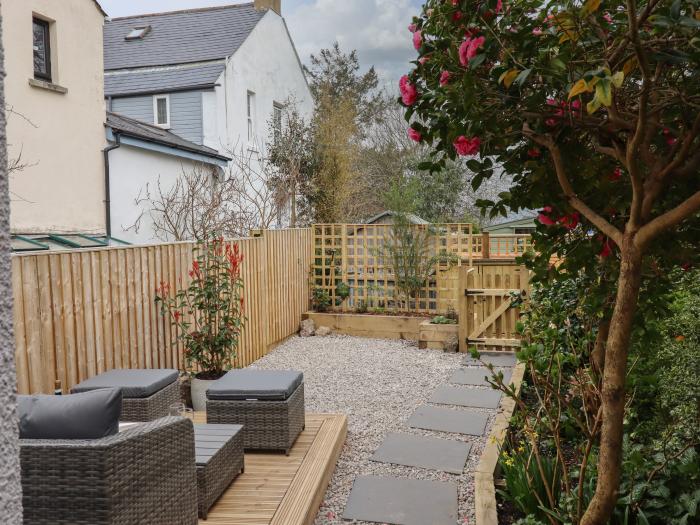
pixel 43 84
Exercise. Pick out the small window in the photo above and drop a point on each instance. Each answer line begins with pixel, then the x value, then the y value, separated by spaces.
pixel 161 111
pixel 42 50
pixel 277 109
pixel 138 33
pixel 251 116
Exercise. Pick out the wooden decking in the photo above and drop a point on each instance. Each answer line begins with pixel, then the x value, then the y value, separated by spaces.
pixel 284 490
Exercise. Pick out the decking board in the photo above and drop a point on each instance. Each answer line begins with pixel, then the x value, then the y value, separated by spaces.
pixel 283 490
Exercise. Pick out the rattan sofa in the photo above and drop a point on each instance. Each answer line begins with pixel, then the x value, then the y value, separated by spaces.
pixel 143 475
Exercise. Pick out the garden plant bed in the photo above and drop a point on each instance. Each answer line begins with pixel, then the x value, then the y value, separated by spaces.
pixel 400 326
pixel 434 336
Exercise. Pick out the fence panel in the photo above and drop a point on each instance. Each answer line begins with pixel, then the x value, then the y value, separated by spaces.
pixel 81 312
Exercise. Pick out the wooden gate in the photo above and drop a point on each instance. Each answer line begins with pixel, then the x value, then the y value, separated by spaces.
pixel 487 315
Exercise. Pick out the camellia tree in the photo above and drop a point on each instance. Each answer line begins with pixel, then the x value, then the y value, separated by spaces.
pixel 593 109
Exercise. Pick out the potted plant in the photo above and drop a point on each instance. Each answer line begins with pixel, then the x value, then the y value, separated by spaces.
pixel 208 313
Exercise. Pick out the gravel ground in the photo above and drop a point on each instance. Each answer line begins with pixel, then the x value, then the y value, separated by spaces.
pixel 378 383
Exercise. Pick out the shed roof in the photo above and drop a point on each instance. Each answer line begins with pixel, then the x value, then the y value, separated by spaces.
pixel 163 80
pixel 179 37
pixel 150 133
pixel 412 218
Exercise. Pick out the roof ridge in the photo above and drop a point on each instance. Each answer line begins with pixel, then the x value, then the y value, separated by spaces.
pixel 182 11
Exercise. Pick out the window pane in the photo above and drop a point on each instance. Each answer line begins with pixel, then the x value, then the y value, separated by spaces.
pixel 162 105
pixel 41 49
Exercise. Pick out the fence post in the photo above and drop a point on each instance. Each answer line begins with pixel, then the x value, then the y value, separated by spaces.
pixel 485 246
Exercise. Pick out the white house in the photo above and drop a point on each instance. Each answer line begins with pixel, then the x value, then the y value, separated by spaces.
pixel 143 158
pixel 216 77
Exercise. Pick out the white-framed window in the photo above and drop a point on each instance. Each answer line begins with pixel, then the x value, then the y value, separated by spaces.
pixel 161 111
pixel 277 110
pixel 250 108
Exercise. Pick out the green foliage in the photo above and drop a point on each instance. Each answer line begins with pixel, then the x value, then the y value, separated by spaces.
pixel 320 299
pixel 342 291
pixel 441 319
pixel 208 313
pixel 529 477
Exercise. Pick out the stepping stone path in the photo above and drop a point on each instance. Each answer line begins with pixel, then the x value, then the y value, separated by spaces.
pixel 420 502
pixel 466 397
pixel 402 501
pixel 477 376
pixel 449 420
pixel 424 452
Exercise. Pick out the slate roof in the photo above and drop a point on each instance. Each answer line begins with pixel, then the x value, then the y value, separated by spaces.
pixel 179 37
pixel 163 80
pixel 141 130
pixel 412 218
pixel 518 216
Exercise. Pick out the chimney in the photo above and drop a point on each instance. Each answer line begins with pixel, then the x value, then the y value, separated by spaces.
pixel 275 5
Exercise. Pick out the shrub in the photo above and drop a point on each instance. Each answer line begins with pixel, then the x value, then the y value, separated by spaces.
pixel 320 299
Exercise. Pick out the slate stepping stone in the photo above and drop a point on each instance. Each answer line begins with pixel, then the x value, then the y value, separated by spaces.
pixel 448 420
pixel 423 452
pixel 466 397
pixel 402 501
pixel 476 376
pixel 496 359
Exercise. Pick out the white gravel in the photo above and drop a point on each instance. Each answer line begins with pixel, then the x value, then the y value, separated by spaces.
pixel 378 383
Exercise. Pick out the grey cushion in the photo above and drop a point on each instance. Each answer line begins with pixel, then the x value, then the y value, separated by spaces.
pixel 133 383
pixel 263 385
pixel 89 415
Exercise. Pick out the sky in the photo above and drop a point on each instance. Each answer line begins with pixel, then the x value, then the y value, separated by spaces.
pixel 377 29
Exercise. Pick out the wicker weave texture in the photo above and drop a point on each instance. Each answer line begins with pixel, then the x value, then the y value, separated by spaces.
pixel 267 425
pixel 215 477
pixel 144 475
pixel 153 407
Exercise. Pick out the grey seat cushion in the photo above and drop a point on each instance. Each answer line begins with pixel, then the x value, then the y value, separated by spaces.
pixel 263 385
pixel 133 383
pixel 88 415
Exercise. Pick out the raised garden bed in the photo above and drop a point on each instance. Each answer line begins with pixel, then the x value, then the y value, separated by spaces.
pixel 436 335
pixel 370 325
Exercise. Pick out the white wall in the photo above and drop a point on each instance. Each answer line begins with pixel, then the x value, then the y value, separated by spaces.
pixel 134 171
pixel 265 64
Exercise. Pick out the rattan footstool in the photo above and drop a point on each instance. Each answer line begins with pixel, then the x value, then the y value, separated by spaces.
pixel 146 394
pixel 268 403
pixel 219 459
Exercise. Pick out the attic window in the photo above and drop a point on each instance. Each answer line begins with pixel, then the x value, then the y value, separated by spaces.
pixel 138 32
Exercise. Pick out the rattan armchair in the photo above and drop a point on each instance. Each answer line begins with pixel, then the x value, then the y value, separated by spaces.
pixel 143 475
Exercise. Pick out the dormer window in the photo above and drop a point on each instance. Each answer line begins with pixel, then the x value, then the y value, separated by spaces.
pixel 138 33
pixel 161 111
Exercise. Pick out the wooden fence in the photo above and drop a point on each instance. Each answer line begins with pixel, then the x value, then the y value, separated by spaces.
pixel 355 254
pixel 81 312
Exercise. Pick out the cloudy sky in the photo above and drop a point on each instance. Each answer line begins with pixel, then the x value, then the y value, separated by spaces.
pixel 376 28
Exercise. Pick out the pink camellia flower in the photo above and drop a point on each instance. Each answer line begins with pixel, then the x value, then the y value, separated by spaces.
pixel 455 2
pixel 543 219
pixel 412 28
pixel 576 105
pixel 417 39
pixel 467 146
pixel 547 209
pixel 537 31
pixel 551 122
pixel 533 153
pixel 616 174
pixel 499 6
pixel 607 18
pixel 570 221
pixel 445 78
pixel 670 139
pixel 469 49
pixel 422 60
pixel 606 250
pixel 409 93
pixel 414 135
pixel 457 16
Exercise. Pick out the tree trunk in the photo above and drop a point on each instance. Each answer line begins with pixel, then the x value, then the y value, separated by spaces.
pixel 293 204
pixel 598 353
pixel 10 486
pixel 613 390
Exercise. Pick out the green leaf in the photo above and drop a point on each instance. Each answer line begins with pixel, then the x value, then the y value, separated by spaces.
pixel 603 92
pixel 558 63
pixel 618 78
pixel 593 105
pixel 676 9
pixel 477 61
pixel 591 6
pixel 522 77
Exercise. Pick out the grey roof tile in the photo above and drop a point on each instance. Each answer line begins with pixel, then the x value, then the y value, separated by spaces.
pixel 196 35
pixel 160 80
pixel 148 132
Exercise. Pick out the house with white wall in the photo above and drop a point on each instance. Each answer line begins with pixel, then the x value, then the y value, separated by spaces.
pixel 55 108
pixel 217 76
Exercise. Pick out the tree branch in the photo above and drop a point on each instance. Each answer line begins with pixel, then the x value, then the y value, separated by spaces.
pixel 668 220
